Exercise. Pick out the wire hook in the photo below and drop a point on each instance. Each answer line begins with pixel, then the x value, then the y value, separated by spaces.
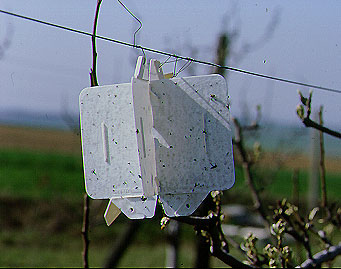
pixel 176 61
pixel 137 30
pixel 186 65
pixel 182 68
pixel 164 62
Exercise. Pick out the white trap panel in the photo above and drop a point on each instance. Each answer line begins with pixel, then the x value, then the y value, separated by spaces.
pixel 192 117
pixel 181 204
pixel 109 142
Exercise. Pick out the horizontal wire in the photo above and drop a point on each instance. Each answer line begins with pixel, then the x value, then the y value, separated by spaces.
pixel 172 54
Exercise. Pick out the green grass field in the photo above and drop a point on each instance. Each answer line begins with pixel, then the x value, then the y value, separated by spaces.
pixel 41 213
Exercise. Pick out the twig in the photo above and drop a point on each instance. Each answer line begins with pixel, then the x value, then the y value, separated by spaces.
pixel 93 73
pixel 122 243
pixel 219 247
pixel 173 243
pixel 86 209
pixel 304 111
pixel 200 222
pixel 320 234
pixel 296 225
pixel 85 231
pixel 222 53
pixel 228 259
pixel 309 123
pixel 322 256
pixel 238 141
pixel 303 239
pixel 322 165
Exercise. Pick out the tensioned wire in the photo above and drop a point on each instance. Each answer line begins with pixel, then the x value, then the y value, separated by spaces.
pixel 170 54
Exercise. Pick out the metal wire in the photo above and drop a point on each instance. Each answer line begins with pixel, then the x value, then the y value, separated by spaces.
pixel 186 65
pixel 138 29
pixel 165 62
pixel 179 57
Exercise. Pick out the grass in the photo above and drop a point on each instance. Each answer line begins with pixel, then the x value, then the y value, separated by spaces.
pixel 40 175
pixel 41 213
pixel 48 175
pixel 58 251
pixel 278 184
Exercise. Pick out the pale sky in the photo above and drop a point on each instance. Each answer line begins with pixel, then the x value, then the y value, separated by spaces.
pixel 44 69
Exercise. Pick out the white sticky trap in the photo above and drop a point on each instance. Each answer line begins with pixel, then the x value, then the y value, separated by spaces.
pixel 156 136
pixel 192 117
pixel 109 142
pixel 144 127
pixel 110 151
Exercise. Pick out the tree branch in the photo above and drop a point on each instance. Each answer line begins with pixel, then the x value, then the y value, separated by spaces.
pixel 219 248
pixel 238 141
pixel 322 165
pixel 199 222
pixel 228 259
pixel 322 256
pixel 86 208
pixel 310 123
pixel 85 231
pixel 122 243
pixel 93 73
pixel 304 111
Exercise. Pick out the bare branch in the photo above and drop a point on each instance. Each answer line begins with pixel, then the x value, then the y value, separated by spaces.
pixel 322 256
pixel 122 242
pixel 310 123
pixel 93 73
pixel 85 231
pixel 93 79
pixel 200 222
pixel 219 247
pixel 322 165
pixel 238 141
pixel 304 111
pixel 228 259
pixel 222 53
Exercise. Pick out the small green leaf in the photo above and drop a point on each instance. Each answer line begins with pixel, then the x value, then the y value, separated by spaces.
pixel 300 111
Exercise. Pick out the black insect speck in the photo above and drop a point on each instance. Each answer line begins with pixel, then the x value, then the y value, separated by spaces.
pixel 213 166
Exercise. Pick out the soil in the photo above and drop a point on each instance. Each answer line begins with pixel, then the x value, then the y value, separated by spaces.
pixel 39 139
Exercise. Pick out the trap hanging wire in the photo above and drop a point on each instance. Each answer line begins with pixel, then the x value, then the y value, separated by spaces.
pixel 123 43
pixel 138 29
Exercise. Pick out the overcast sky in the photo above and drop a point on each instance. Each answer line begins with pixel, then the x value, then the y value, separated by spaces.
pixel 44 69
